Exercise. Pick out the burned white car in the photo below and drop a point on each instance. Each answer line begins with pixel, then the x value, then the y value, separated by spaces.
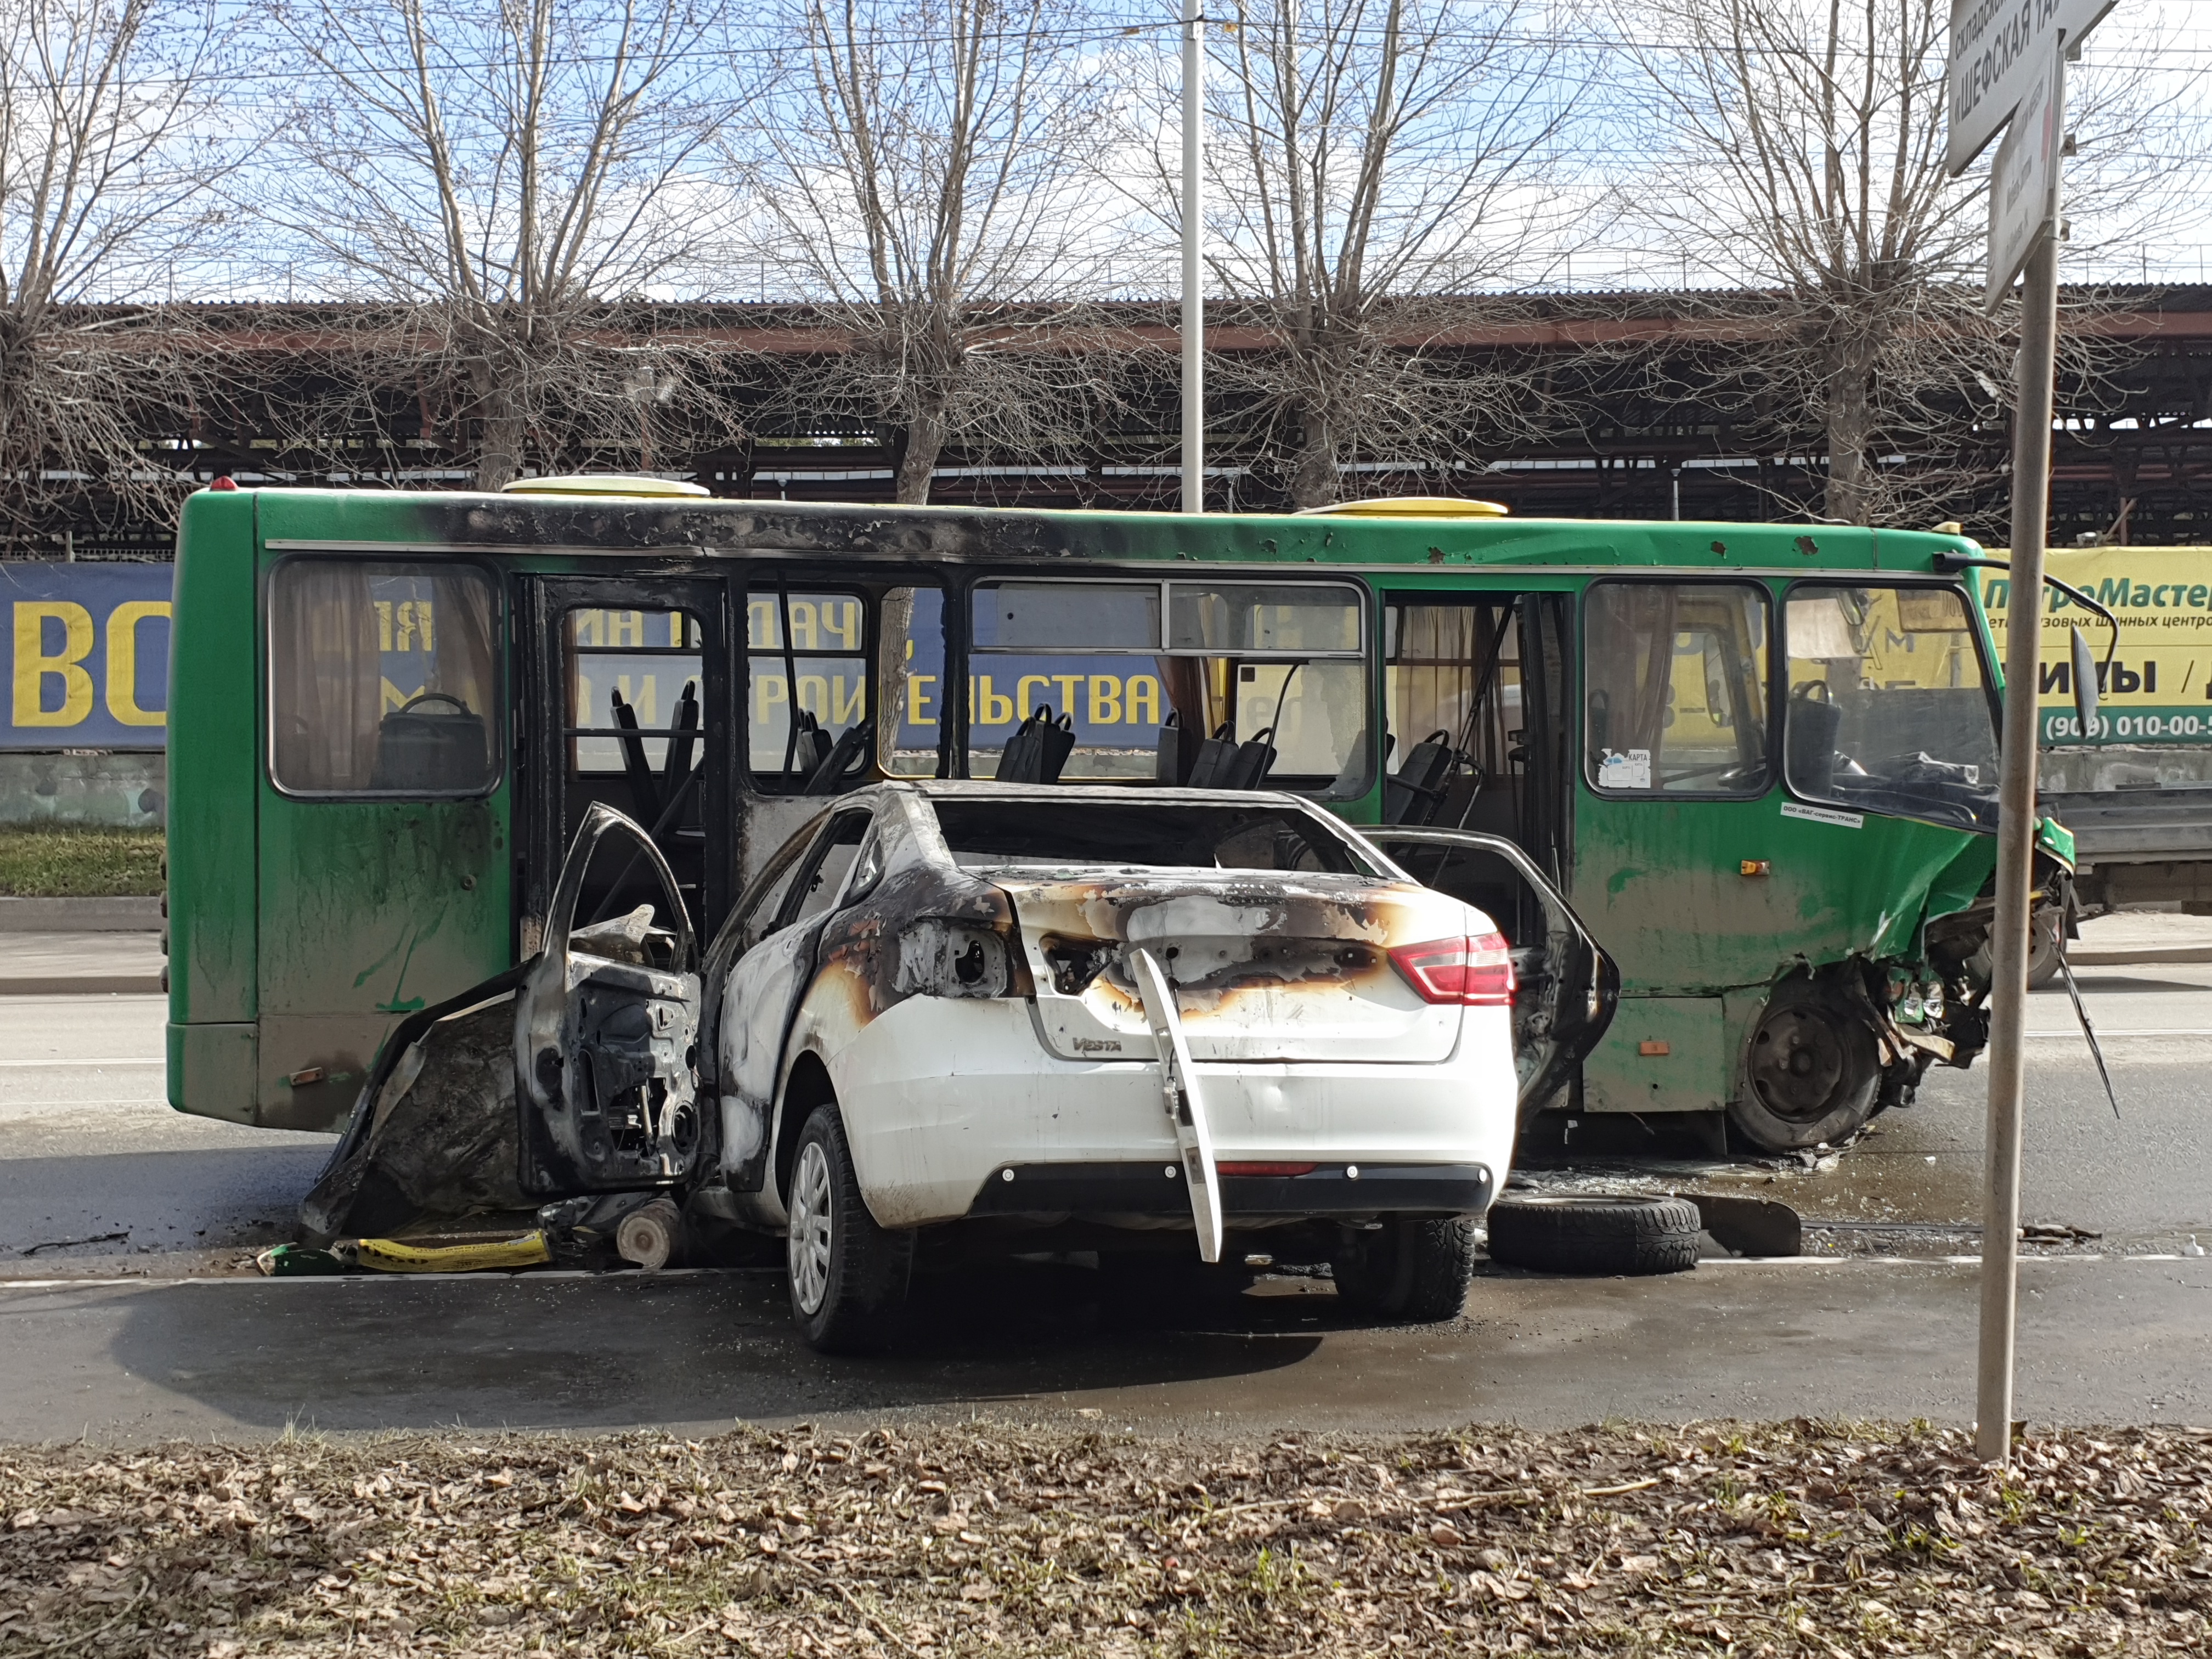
pixel 954 1016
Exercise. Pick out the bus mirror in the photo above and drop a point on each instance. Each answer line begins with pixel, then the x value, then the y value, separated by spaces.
pixel 2085 684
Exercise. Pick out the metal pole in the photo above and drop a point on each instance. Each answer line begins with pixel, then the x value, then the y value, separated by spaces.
pixel 2030 501
pixel 1194 271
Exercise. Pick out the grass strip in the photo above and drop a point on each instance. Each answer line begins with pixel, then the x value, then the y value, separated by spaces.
pixel 997 1538
pixel 75 860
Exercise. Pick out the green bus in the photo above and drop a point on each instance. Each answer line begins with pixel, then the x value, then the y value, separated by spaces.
pixel 1760 759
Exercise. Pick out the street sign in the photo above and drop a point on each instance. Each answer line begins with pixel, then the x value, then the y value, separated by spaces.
pixel 2024 180
pixel 1998 49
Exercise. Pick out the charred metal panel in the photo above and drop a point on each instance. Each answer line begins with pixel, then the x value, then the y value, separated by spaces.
pixel 437 1137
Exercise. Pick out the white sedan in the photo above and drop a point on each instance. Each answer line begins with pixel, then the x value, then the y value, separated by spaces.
pixel 1041 1018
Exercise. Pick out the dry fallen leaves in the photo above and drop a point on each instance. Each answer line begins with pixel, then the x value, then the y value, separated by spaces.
pixel 1764 1541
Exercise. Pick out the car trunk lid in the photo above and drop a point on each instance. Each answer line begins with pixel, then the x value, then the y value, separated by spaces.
pixel 1266 966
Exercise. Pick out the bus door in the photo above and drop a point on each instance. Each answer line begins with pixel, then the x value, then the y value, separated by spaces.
pixel 627 701
pixel 1477 732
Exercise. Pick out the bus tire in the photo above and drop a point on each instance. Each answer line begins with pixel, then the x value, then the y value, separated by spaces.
pixel 1583 1233
pixel 1411 1267
pixel 849 1275
pixel 1812 1071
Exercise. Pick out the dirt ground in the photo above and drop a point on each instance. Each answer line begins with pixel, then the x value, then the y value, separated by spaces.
pixel 998 1538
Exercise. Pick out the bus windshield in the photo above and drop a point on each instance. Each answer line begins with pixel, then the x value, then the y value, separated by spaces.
pixel 1889 711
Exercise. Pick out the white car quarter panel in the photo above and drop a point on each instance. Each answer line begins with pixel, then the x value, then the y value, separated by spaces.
pixel 940 1094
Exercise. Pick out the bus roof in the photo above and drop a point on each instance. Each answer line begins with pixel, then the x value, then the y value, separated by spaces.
pixel 520 524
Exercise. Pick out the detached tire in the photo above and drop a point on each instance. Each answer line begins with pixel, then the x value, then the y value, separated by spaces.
pixel 848 1276
pixel 1412 1267
pixel 1584 1235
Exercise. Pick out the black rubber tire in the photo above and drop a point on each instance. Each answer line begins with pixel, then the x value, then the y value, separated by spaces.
pixel 862 1270
pixel 1412 1267
pixel 1808 1020
pixel 1581 1234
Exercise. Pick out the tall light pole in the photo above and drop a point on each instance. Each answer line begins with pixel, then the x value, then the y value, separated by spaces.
pixel 1193 270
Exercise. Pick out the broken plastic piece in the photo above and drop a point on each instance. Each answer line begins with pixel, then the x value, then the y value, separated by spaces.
pixel 298 1261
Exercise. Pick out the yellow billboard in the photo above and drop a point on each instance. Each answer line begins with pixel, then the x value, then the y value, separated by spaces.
pixel 2159 688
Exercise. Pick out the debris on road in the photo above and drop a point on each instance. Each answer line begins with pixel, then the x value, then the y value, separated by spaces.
pixel 1796 1539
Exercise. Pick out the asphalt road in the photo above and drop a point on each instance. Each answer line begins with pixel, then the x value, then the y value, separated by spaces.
pixel 88 1148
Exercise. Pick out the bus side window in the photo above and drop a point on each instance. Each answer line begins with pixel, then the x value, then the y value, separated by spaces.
pixel 383 679
pixel 1675 691
pixel 808 721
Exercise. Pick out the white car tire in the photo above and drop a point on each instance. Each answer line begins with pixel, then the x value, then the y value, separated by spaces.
pixel 849 1275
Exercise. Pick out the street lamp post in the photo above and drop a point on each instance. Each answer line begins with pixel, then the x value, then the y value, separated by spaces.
pixel 1194 298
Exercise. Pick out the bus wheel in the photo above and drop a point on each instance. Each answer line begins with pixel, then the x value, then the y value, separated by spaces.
pixel 1812 1073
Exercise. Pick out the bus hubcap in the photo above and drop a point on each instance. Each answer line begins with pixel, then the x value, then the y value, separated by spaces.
pixel 1798 1062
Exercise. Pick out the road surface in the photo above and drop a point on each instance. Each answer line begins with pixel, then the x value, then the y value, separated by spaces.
pixel 132 1333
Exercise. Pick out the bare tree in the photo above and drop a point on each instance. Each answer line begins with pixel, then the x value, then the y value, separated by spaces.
pixel 1367 159
pixel 1805 165
pixel 921 172
pixel 508 170
pixel 107 172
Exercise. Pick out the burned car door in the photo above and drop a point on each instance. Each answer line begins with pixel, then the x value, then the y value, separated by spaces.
pixel 770 948
pixel 606 1030
pixel 1566 986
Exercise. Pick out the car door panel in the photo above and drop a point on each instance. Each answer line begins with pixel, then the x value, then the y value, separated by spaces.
pixel 1567 985
pixel 760 994
pixel 607 1034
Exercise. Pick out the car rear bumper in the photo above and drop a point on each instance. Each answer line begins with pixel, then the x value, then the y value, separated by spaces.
pixel 1106 1190
pixel 941 1097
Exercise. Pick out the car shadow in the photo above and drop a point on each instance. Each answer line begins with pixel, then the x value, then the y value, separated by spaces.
pixel 624 1349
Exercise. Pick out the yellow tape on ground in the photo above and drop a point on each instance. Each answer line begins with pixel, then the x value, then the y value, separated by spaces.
pixel 391 1256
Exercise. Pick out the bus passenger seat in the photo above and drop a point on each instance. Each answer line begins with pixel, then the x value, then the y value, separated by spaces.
pixel 1412 793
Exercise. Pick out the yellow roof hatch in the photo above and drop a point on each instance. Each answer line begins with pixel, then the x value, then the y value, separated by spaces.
pixel 605 483
pixel 1410 507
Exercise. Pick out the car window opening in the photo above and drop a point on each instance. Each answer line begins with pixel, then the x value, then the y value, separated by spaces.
pixel 1143 835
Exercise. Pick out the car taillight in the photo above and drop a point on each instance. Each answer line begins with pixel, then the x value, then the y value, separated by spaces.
pixel 1477 972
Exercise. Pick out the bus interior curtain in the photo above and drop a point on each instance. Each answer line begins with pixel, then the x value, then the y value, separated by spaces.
pixel 1632 660
pixel 326 680
pixel 461 649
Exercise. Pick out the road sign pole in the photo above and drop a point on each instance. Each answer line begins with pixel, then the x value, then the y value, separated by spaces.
pixel 1193 265
pixel 2031 499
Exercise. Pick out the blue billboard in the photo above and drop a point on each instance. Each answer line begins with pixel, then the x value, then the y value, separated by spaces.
pixel 88 651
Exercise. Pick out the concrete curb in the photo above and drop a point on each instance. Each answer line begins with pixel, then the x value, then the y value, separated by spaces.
pixel 80 985
pixel 80 916
pixel 2146 954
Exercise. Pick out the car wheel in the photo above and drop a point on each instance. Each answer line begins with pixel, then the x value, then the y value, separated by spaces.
pixel 1581 1234
pixel 1415 1267
pixel 847 1275
pixel 1812 1073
